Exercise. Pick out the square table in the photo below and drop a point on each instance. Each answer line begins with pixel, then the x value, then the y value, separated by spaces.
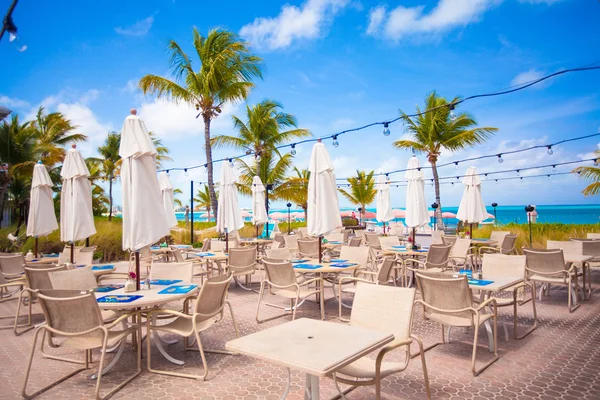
pixel 318 348
pixel 585 269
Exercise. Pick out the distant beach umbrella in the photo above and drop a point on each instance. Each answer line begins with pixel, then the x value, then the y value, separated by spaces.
pixel 144 219
pixel 490 216
pixel 417 213
pixel 76 215
pixel 347 213
pixel 472 208
pixel 259 209
pixel 399 213
pixel 277 216
pixel 323 214
pixel 369 215
pixel 229 218
pixel 42 218
pixel 168 199
pixel 448 214
pixel 383 201
pixel 245 213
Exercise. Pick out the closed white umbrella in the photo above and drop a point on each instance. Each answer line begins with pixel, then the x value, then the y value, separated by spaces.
pixel 417 213
pixel 42 219
pixel 76 215
pixel 259 209
pixel 229 217
pixel 472 208
pixel 168 200
pixel 323 212
pixel 383 201
pixel 144 219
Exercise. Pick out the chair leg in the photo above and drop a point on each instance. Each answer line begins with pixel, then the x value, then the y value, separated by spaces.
pixel 496 357
pixel 424 365
pixel 570 294
pixel 18 314
pixel 515 307
pixel 260 300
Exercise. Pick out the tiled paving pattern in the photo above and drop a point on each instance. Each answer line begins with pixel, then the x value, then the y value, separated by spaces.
pixel 560 360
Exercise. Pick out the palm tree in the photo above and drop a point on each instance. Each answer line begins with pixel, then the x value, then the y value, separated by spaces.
pixel 362 190
pixel 110 164
pixel 295 189
pixel 591 174
pixel 161 150
pixel 99 199
pixel 53 132
pixel 225 74
pixel 203 199
pixel 436 130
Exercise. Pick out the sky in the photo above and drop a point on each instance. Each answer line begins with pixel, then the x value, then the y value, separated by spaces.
pixel 335 65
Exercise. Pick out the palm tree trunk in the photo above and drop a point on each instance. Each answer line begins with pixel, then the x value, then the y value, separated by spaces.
pixel 110 199
pixel 436 182
pixel 3 193
pixel 208 148
pixel 208 212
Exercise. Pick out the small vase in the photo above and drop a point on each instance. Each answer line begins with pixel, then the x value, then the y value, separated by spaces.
pixel 130 286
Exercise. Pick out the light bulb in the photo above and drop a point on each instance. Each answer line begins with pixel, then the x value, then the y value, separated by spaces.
pixel 519 173
pixel 386 129
pixel 452 116
pixel 550 151
pixel 167 172
pixel 500 160
pixel 335 141
pixel 456 165
pixel 12 35
pixel 548 177
pixel 186 173
pixel 596 162
pixel 496 180
pixel 554 168
pixel 293 151
pixel 206 168
pixel 521 179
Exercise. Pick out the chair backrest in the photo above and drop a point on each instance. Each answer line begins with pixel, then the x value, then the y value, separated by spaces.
pixel 205 245
pixel 373 240
pixel 500 265
pixel 346 233
pixel 291 241
pixel 279 254
pixel 39 278
pixel 304 231
pixel 446 294
pixel 280 273
pixel 84 258
pixel 499 236
pixel 460 248
pixel 73 279
pixel 12 265
pixel 355 241
pixel 242 257
pixel 568 247
pixel 308 248
pixel 387 242
pixel 438 255
pixel 449 239
pixel 509 243
pixel 212 296
pixel 385 270
pixel 177 270
pixel 64 258
pixel 591 247
pixel 178 256
pixel 593 235
pixel 546 261
pixel 359 255
pixel 71 311
pixel 384 308
pixel 279 238
pixel 437 237
pixel 217 245
pixel 335 237
pixel 360 233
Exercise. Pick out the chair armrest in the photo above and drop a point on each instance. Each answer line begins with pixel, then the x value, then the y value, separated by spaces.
pixel 413 261
pixel 489 301
pixel 373 273
pixel 492 249
pixel 307 282
pixel 286 286
pixel 419 301
pixel 352 279
pixel 392 346
pixel 164 311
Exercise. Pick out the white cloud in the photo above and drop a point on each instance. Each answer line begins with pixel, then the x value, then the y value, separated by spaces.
pixel 548 2
pixel 409 22
pixel 13 102
pixel 527 77
pixel 140 28
pixel 130 87
pixel 293 23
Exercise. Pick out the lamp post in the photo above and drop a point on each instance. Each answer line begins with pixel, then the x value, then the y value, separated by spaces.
pixel 289 223
pixel 360 216
pixel 435 207
pixel 494 204
pixel 529 209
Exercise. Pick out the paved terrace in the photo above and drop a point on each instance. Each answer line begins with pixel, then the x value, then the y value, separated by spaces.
pixel 560 360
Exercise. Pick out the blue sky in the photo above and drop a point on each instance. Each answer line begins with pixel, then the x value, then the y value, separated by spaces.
pixel 335 64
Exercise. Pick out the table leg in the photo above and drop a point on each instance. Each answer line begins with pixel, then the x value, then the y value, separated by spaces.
pixel 311 390
pixel 114 360
pixel 156 339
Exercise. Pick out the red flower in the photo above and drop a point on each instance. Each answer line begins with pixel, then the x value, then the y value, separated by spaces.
pixel 132 275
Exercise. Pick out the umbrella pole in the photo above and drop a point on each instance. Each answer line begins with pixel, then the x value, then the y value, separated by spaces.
pixel 320 249
pixel 414 232
pixel 471 231
pixel 137 270
pixel 36 247
pixel 72 252
pixel 87 242
pixel 226 241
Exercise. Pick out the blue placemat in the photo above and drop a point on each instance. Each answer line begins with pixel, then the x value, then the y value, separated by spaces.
pixel 479 282
pixel 178 289
pixel 183 246
pixel 108 288
pixel 307 266
pixel 298 261
pixel 81 265
pixel 422 250
pixel 398 247
pixel 165 281
pixel 342 265
pixel 119 298
pixel 466 272
pixel 102 267
pixel 154 247
pixel 53 255
pixel 334 242
pixel 338 260
pixel 205 254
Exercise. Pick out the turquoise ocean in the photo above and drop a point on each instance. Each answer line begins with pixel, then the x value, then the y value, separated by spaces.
pixel 567 214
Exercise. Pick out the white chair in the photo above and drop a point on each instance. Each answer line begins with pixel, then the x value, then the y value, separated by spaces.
pixel 593 235
pixel 183 271
pixel 437 237
pixel 291 243
pixel 387 242
pixel 279 254
pixel 335 237
pixel 462 253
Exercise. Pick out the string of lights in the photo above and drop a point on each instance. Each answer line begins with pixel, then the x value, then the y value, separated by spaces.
pixel 386 131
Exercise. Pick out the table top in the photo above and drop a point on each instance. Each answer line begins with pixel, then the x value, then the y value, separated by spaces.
pixel 484 241
pixel 313 346
pixel 151 298
pixel 498 284
pixel 255 241
pixel 218 255
pixel 325 267
pixel 577 258
pixel 401 252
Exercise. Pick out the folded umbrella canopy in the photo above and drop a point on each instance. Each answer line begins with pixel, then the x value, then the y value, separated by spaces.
pixel 229 218
pixel 168 199
pixel 323 213
pixel 42 219
pixel 144 219
pixel 383 201
pixel 472 208
pixel 76 215
pixel 417 213
pixel 259 209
